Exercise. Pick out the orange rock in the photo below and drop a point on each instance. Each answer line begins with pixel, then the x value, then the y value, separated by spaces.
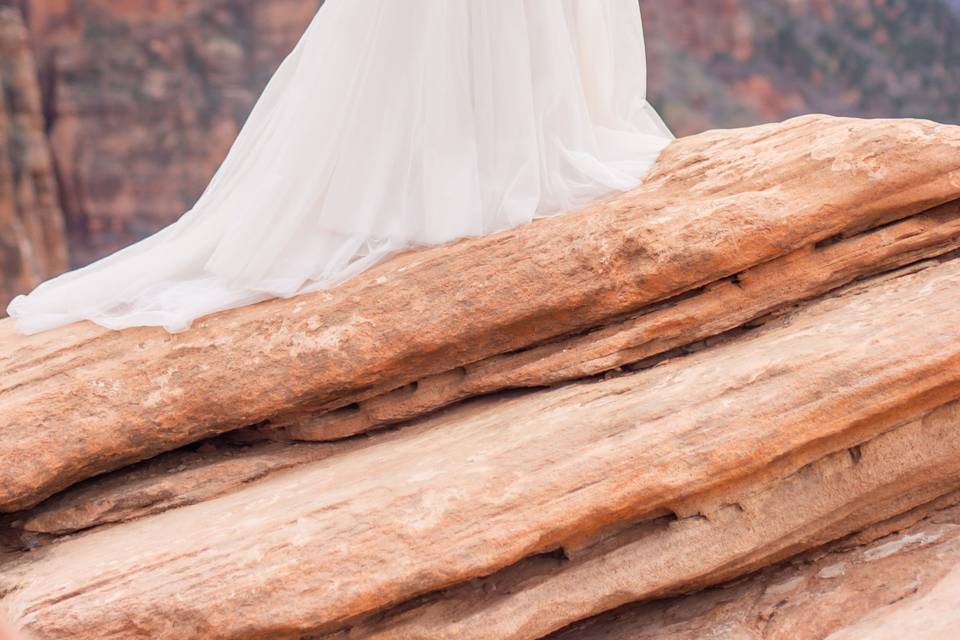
pixel 689 323
pixel 902 585
pixel 521 515
pixel 652 333
pixel 718 204
pixel 165 482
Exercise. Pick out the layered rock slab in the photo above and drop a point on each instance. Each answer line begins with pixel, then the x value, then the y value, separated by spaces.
pixel 717 536
pixel 717 204
pixel 166 482
pixel 690 323
pixel 482 487
pixel 902 584
pixel 638 340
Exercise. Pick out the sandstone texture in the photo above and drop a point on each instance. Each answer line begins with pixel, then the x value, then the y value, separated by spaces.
pixel 902 584
pixel 718 205
pixel 707 408
pixel 33 242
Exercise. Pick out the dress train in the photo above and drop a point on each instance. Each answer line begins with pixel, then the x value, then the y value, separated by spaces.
pixel 390 125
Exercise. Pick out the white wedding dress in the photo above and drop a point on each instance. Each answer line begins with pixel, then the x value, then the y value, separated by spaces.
pixel 392 124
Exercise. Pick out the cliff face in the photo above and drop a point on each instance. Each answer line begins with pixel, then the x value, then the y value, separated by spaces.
pixel 754 357
pixel 33 245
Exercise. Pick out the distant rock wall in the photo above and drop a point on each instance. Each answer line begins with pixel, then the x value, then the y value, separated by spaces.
pixel 33 245
pixel 727 63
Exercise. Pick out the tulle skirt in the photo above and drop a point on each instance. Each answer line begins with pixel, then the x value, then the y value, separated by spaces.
pixel 392 124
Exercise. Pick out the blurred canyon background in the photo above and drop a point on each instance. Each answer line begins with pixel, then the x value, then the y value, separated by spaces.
pixel 114 114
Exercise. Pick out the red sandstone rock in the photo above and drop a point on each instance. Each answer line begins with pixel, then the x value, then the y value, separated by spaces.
pixel 693 322
pixel 753 355
pixel 653 332
pixel 830 419
pixel 166 482
pixel 899 586
pixel 718 204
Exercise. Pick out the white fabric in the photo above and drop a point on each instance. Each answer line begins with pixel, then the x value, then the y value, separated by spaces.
pixel 392 124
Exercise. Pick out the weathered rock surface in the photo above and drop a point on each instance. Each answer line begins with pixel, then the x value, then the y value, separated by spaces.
pixel 723 439
pixel 165 482
pixel 752 356
pixel 719 204
pixel 33 244
pixel 902 584
pixel 719 307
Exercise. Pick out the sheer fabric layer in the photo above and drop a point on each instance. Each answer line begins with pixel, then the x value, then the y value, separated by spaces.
pixel 390 125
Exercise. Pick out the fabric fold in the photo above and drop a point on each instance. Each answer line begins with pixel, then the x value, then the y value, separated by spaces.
pixel 390 125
